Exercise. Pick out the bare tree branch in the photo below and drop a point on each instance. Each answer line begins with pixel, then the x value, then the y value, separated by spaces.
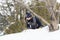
pixel 20 2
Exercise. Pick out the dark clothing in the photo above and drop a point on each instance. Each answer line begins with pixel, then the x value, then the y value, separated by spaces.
pixel 33 23
pixel 28 15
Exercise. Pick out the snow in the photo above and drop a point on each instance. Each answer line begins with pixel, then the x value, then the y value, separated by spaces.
pixel 1 33
pixel 58 1
pixel 3 3
pixel 27 2
pixel 36 34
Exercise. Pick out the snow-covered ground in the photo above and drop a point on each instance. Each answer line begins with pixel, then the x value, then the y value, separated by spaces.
pixel 36 34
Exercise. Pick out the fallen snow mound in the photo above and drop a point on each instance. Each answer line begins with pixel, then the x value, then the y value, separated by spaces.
pixel 30 34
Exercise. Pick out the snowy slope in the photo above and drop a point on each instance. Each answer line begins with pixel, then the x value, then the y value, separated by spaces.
pixel 37 34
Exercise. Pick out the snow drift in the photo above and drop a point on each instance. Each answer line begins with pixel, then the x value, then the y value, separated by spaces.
pixel 37 34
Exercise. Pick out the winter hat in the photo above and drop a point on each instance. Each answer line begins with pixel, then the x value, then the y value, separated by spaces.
pixel 28 15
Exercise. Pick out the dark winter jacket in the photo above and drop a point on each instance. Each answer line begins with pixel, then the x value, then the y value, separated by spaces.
pixel 33 23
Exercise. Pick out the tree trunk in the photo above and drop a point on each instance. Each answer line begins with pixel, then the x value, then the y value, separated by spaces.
pixel 54 21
